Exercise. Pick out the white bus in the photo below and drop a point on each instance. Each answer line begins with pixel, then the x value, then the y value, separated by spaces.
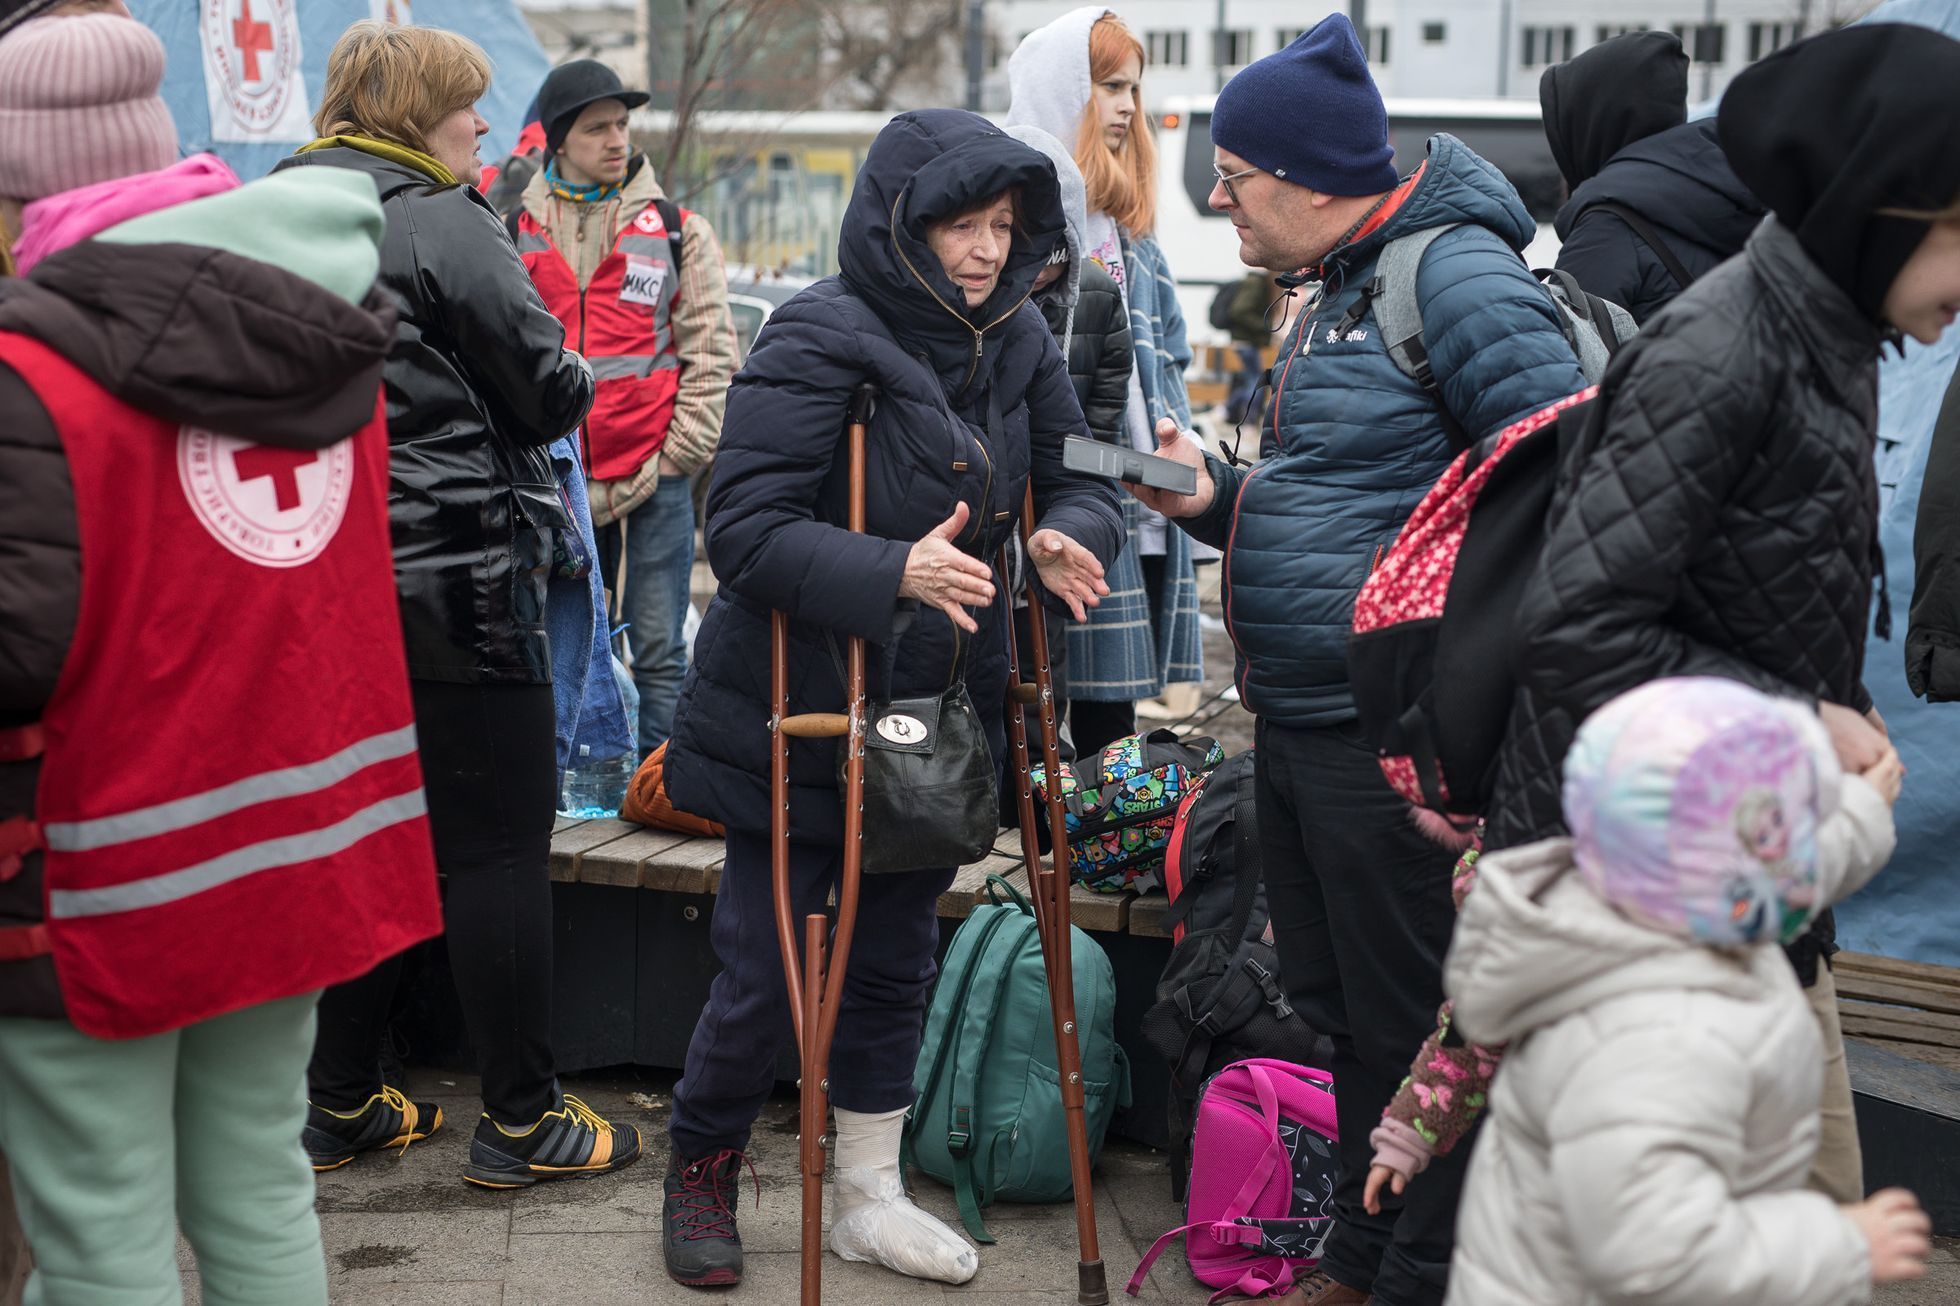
pixel 1199 242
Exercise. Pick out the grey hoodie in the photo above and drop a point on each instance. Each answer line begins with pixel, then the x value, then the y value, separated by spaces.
pixel 1655 1117
pixel 1075 209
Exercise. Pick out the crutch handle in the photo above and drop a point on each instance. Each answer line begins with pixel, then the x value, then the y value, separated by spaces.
pixel 1024 693
pixel 816 725
pixel 864 402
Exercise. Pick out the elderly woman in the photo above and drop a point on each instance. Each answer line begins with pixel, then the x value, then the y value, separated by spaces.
pixel 478 383
pixel 948 227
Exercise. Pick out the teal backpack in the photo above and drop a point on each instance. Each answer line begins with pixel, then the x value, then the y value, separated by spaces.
pixel 988 1121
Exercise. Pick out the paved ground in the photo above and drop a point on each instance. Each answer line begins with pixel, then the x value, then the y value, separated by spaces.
pixel 407 1232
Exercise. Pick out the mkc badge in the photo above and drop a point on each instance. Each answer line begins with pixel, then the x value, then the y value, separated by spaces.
pixel 271 506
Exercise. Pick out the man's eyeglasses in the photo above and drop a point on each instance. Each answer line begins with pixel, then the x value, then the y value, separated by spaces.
pixel 1226 179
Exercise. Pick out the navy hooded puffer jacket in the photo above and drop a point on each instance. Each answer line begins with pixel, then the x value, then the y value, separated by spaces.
pixel 776 508
pixel 1351 444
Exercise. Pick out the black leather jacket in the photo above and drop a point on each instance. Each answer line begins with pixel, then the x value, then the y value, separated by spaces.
pixel 478 382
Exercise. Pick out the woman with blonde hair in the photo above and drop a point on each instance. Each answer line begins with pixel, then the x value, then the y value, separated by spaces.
pixel 479 381
pixel 1081 80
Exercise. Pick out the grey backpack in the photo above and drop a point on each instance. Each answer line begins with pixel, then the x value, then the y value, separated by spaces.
pixel 1595 327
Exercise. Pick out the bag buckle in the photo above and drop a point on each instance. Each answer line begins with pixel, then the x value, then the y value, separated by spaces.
pixel 1275 995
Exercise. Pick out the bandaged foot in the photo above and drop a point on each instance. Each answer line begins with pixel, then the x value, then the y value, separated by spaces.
pixel 871 1217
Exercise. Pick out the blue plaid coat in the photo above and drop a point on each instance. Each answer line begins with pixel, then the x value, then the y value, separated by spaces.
pixel 1126 651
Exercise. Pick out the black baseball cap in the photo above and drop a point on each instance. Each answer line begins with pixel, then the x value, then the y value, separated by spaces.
pixel 571 87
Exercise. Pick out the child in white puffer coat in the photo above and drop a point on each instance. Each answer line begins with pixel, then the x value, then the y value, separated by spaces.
pixel 1651 1128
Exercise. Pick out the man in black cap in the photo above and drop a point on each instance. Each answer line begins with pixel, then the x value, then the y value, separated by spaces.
pixel 639 284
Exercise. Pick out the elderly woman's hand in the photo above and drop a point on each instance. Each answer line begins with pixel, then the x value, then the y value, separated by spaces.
pixel 936 572
pixel 1068 571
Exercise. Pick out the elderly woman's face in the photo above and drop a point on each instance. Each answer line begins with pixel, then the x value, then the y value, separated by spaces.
pixel 973 247
pixel 453 144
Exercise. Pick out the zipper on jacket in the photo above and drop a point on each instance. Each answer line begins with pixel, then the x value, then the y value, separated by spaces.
pixel 1302 333
pixel 979 332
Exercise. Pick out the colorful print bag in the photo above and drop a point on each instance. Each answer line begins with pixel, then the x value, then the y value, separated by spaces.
pixel 1121 806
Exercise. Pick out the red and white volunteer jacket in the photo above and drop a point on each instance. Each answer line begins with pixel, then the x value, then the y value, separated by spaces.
pixel 623 322
pixel 230 801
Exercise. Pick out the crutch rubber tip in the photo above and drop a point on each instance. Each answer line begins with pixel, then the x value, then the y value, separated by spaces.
pixel 1092 1288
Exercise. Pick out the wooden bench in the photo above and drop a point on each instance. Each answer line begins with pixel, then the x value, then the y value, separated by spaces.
pixel 1902 1038
pixel 624 855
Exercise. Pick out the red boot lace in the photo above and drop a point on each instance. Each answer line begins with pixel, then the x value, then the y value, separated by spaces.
pixel 707 1186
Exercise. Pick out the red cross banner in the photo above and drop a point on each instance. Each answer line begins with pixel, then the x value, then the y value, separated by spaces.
pixel 252 74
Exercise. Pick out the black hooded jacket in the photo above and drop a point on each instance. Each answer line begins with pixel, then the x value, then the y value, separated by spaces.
pixel 1933 634
pixel 1614 118
pixel 1721 526
pixel 479 381
pixel 191 334
pixel 1681 183
pixel 777 505
pixel 1618 92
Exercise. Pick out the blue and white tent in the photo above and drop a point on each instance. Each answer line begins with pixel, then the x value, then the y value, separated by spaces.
pixel 244 76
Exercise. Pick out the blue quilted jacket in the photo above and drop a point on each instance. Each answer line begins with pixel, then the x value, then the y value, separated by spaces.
pixel 1352 444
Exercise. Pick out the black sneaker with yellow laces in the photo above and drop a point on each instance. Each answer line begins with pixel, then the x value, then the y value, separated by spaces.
pixel 571 1142
pixel 388 1119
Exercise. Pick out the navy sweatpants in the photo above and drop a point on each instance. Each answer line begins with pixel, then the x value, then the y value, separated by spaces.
pixel 731 1060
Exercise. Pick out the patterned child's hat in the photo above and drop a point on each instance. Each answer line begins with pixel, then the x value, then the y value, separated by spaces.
pixel 1694 806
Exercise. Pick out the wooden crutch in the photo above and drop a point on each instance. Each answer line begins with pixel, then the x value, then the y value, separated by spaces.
pixel 816 982
pixel 1048 887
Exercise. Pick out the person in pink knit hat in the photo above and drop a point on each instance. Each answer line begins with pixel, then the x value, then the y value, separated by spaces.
pixel 190 399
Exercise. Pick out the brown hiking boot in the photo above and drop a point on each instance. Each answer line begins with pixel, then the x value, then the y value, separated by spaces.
pixel 1316 1288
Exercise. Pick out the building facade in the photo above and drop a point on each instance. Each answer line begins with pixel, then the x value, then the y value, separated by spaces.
pixel 1432 48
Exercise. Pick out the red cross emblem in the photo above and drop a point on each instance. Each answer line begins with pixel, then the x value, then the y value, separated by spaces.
pixel 252 38
pixel 281 465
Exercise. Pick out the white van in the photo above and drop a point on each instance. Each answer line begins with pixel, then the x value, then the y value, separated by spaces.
pixel 1199 242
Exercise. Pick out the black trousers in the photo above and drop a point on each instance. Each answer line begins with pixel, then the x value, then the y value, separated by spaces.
pixel 490 770
pixel 1361 917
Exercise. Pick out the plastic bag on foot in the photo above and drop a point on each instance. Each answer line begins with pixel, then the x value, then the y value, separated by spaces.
pixel 873 1220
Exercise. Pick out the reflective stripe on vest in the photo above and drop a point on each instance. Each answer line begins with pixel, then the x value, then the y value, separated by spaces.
pixel 230 801
pixel 623 324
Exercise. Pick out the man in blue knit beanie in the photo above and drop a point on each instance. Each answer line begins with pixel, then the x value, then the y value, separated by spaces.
pixel 1360 899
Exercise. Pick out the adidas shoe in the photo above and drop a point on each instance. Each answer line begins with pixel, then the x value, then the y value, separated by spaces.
pixel 570 1142
pixel 388 1119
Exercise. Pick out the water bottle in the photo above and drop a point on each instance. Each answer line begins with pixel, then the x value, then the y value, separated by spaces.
pixel 596 788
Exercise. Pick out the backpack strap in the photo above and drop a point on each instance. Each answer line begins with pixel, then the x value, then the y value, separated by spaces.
pixel 1398 315
pixel 973 1157
pixel 1247 863
pixel 670 215
pixel 1650 238
pixel 674 220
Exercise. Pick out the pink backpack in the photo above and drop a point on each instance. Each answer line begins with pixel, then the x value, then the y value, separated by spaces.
pixel 1262 1179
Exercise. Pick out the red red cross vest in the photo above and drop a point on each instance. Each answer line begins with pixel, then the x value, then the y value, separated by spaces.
pixel 623 324
pixel 230 800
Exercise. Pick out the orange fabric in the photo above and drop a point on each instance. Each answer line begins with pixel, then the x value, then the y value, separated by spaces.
pixel 647 802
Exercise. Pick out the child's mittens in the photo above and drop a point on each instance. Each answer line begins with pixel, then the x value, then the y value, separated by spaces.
pixel 1400 1147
